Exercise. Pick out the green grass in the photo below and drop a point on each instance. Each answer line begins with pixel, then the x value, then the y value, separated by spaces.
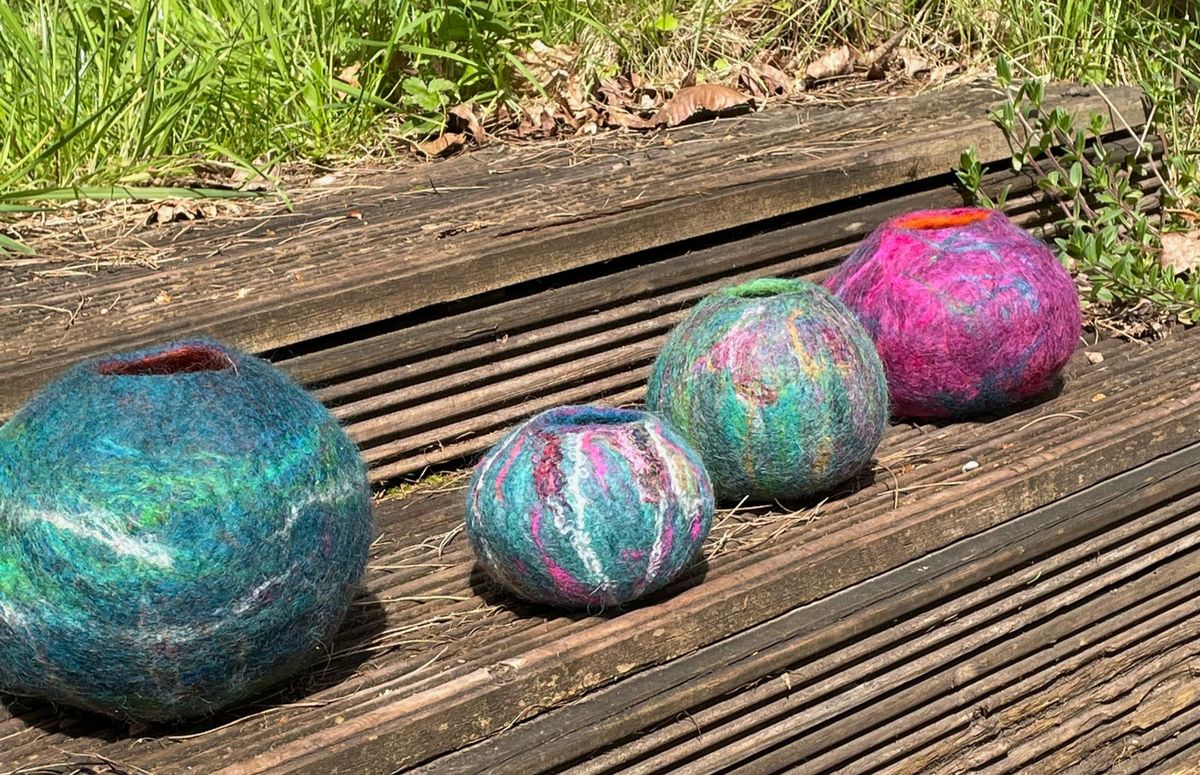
pixel 136 92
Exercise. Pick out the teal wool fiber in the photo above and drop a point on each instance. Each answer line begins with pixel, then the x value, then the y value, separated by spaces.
pixel 587 507
pixel 776 385
pixel 179 528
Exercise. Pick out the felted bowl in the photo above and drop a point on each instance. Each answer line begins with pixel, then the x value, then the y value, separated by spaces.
pixel 776 385
pixel 588 507
pixel 969 312
pixel 179 528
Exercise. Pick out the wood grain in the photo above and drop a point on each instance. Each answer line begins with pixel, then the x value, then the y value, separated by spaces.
pixel 420 244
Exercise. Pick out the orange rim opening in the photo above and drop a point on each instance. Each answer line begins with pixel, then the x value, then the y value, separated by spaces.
pixel 182 360
pixel 942 220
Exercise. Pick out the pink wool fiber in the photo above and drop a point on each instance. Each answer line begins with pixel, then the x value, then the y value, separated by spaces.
pixel 970 313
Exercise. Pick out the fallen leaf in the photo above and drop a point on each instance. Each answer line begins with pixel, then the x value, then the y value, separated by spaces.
pixel 550 77
pixel 942 72
pixel 462 118
pixel 833 63
pixel 172 210
pixel 537 121
pixel 626 120
pixel 705 98
pixel 546 64
pixel 1098 397
pixel 445 144
pixel 614 91
pixel 347 76
pixel 876 60
pixel 763 79
pixel 913 62
pixel 162 298
pixel 1180 251
pixel 461 125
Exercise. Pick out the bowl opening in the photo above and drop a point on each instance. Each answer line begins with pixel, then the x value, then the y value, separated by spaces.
pixel 763 288
pixel 944 219
pixel 187 359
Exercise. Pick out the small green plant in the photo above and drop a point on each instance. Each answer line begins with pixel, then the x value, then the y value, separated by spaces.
pixel 1110 229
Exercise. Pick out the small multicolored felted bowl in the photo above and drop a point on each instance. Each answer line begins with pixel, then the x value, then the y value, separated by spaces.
pixel 969 312
pixel 776 385
pixel 179 528
pixel 588 507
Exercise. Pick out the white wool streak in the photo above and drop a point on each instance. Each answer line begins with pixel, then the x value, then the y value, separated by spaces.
pixel 656 552
pixel 13 618
pixel 253 598
pixel 341 488
pixel 97 526
pixel 580 539
pixel 492 458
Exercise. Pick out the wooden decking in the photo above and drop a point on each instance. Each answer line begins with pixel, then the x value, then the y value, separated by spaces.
pixel 1029 614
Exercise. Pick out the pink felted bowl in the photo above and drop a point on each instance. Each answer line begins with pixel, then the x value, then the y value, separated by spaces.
pixel 969 312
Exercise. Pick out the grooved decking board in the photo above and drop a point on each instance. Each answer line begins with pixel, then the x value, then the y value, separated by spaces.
pixel 450 231
pixel 450 662
pixel 431 407
pixel 972 614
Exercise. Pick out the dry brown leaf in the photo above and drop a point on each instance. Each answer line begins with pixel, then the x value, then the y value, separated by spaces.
pixel 172 210
pixel 831 64
pixel 778 81
pixel 626 120
pixel 764 80
pixel 1181 251
pixel 348 77
pixel 461 125
pixel 349 74
pixel 462 118
pixel 705 98
pixel 876 60
pixel 942 72
pixel 538 121
pixel 445 144
pixel 548 65
pixel 914 63
pixel 614 91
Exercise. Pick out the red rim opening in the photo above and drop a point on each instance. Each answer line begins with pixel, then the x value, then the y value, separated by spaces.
pixel 944 219
pixel 188 359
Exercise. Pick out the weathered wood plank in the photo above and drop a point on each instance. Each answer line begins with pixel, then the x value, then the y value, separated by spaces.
pixel 330 276
pixel 839 641
pixel 428 409
pixel 398 731
pixel 1135 379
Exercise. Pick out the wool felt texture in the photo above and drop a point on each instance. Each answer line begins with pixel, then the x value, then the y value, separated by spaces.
pixel 180 527
pixel 969 312
pixel 776 385
pixel 588 507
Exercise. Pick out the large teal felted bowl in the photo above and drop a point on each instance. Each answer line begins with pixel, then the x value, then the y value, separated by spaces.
pixel 179 528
